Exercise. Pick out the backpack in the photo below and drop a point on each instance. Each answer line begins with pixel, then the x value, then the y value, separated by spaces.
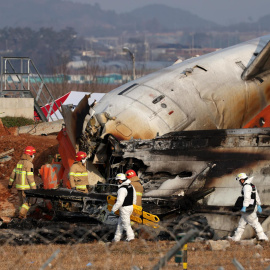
pixel 239 202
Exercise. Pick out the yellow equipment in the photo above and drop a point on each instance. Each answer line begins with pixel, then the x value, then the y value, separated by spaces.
pixel 144 217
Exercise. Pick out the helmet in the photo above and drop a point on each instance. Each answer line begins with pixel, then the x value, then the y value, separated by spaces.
pixel 29 150
pixel 130 174
pixel 121 176
pixel 80 155
pixel 241 176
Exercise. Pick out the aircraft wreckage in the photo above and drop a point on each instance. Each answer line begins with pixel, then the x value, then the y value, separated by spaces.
pixel 181 129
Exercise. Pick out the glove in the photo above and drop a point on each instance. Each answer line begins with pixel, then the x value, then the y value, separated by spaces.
pixel 112 212
pixel 9 186
pixel 259 209
pixel 243 209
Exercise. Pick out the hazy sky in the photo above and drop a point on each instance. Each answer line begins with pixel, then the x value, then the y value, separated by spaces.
pixel 221 11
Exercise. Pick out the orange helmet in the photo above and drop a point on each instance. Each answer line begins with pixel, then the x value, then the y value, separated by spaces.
pixel 130 173
pixel 29 150
pixel 80 155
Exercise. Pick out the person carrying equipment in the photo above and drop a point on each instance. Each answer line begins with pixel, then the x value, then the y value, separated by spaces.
pixel 78 175
pixel 251 200
pixel 23 176
pixel 126 197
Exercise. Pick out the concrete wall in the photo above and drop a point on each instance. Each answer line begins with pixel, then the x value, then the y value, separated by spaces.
pixel 17 107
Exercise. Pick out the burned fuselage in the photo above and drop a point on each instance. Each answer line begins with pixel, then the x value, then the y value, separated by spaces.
pixel 183 162
pixel 206 92
pixel 133 126
pixel 221 90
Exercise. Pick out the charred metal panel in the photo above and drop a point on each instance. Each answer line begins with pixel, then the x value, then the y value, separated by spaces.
pixel 209 156
pixel 74 120
pixel 65 194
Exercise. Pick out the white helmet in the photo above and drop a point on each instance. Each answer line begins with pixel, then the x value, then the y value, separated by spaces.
pixel 121 176
pixel 241 176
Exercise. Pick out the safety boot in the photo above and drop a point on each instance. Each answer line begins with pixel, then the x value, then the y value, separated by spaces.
pixel 262 237
pixel 234 238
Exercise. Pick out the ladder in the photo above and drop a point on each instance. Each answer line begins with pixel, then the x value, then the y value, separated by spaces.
pixel 20 78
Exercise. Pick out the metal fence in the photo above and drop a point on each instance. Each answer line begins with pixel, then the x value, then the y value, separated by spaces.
pixel 30 244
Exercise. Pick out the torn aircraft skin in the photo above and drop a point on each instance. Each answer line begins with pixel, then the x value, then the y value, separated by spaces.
pixel 218 91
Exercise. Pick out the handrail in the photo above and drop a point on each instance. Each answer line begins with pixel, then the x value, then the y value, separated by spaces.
pixel 13 80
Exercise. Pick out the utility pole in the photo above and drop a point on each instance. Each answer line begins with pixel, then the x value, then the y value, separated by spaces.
pixel 132 55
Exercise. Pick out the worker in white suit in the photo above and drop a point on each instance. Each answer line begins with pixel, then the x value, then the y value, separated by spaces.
pixel 126 197
pixel 251 200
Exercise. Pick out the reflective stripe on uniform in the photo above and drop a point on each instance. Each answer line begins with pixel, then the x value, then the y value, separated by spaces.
pixel 30 173
pixel 138 193
pixel 19 166
pixel 11 180
pixel 32 184
pixel 20 172
pixel 25 206
pixel 22 186
pixel 81 186
pixel 79 174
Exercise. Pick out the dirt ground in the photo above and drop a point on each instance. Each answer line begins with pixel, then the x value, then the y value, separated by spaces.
pixel 141 253
pixel 46 146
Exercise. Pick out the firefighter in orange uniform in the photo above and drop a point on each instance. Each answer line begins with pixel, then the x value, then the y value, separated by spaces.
pixel 23 176
pixel 78 175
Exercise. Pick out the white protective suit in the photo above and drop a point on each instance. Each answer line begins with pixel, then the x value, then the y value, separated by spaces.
pixel 125 213
pixel 250 218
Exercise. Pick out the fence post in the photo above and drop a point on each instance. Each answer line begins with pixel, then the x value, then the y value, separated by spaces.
pixel 181 255
pixel 190 235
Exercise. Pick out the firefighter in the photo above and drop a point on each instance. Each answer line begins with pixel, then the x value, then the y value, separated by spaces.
pixel 23 176
pixel 250 199
pixel 126 197
pixel 78 175
pixel 135 182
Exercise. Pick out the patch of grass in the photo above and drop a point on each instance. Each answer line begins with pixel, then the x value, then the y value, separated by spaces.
pixel 16 121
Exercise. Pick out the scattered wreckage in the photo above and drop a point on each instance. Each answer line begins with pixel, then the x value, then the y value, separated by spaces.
pixel 181 130
pixel 185 192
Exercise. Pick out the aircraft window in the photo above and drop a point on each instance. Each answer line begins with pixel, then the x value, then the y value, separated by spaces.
pixel 158 99
pixel 128 88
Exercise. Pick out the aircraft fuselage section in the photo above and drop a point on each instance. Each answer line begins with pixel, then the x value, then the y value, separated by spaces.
pixel 206 92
